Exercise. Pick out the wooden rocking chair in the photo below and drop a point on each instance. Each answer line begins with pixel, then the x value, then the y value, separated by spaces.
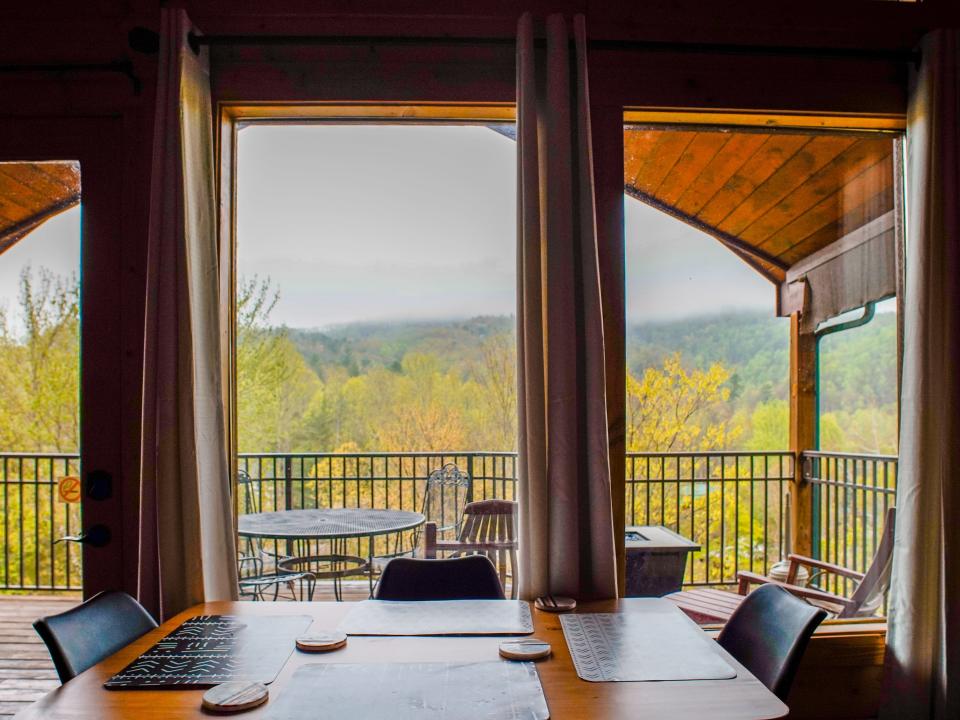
pixel 489 528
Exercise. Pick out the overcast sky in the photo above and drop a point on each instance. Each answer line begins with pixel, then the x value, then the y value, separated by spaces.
pixel 384 222
pixel 54 245
pixel 360 223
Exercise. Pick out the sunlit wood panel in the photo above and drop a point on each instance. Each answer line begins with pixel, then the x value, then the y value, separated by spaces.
pixel 774 198
pixel 31 193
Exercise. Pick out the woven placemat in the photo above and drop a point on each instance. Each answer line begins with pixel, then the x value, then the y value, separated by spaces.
pixel 648 646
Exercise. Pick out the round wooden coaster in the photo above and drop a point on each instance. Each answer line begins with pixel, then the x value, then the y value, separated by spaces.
pixel 232 697
pixel 525 649
pixel 321 642
pixel 555 603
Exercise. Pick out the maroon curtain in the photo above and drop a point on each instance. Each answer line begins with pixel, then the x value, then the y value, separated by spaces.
pixel 186 549
pixel 923 631
pixel 566 515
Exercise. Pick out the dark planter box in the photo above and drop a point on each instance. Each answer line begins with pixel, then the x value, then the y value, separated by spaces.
pixel 656 560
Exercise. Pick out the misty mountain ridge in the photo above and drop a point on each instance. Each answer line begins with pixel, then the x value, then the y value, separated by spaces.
pixel 856 365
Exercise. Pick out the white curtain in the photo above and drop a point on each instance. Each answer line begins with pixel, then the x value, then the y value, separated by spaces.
pixel 923 636
pixel 186 550
pixel 566 515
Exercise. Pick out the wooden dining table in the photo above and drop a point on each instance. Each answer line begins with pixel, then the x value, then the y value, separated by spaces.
pixel 568 697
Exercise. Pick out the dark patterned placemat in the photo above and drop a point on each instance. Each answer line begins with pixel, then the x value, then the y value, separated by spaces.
pixel 496 690
pixel 438 617
pixel 658 644
pixel 211 649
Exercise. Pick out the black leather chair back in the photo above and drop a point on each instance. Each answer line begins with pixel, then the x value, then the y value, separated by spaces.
pixel 85 635
pixel 768 634
pixel 465 578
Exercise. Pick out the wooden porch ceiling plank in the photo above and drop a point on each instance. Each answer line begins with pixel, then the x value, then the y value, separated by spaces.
pixel 772 154
pixel 734 155
pixel 816 154
pixel 867 193
pixel 18 202
pixel 859 216
pixel 13 210
pixel 830 181
pixel 661 160
pixel 637 146
pixel 692 161
pixel 786 195
pixel 42 180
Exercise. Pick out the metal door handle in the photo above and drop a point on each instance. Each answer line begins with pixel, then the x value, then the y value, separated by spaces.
pixel 95 536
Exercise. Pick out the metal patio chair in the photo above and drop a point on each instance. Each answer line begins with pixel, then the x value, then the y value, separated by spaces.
pixel 259 570
pixel 444 498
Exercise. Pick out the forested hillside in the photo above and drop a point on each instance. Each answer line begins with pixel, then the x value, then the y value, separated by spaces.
pixel 717 382
pixel 727 375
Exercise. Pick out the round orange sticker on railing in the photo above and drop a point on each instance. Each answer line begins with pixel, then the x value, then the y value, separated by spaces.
pixel 69 489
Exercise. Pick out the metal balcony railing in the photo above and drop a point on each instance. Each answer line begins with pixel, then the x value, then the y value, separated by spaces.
pixel 851 494
pixel 731 503
pixel 34 517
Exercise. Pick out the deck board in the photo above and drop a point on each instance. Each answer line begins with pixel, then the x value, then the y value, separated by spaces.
pixel 26 672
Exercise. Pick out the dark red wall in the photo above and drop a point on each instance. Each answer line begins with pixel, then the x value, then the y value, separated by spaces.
pixel 98 118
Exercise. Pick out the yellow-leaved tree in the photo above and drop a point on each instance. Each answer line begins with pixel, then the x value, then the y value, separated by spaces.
pixel 669 408
pixel 679 424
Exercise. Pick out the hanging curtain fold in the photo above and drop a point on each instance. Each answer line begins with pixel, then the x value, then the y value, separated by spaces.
pixel 923 632
pixel 566 517
pixel 186 548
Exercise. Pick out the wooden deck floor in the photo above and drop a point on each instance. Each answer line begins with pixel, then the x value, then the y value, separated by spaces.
pixel 26 672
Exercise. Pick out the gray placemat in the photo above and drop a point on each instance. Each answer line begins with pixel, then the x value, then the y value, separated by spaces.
pixel 439 617
pixel 657 644
pixel 496 690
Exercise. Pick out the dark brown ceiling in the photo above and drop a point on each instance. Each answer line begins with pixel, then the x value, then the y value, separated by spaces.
pixel 774 198
pixel 31 193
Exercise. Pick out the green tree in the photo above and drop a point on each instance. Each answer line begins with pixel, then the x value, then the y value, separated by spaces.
pixel 420 408
pixel 39 366
pixel 770 426
pixel 494 402
pixel 40 385
pixel 275 386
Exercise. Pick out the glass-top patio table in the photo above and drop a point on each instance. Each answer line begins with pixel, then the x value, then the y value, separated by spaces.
pixel 333 525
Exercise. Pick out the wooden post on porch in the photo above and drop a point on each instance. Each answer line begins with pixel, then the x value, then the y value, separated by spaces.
pixel 803 355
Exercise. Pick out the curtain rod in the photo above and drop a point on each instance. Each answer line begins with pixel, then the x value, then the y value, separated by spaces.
pixel 622 45
pixel 123 67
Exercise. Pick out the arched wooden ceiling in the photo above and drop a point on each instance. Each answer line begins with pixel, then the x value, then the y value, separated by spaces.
pixel 773 198
pixel 32 193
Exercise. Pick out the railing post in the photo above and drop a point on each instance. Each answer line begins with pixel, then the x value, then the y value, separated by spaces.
pixel 812 470
pixel 803 359
pixel 288 492
pixel 470 475
pixel 288 483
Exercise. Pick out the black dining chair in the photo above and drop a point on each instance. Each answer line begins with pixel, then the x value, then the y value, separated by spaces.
pixel 83 636
pixel 464 578
pixel 768 634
